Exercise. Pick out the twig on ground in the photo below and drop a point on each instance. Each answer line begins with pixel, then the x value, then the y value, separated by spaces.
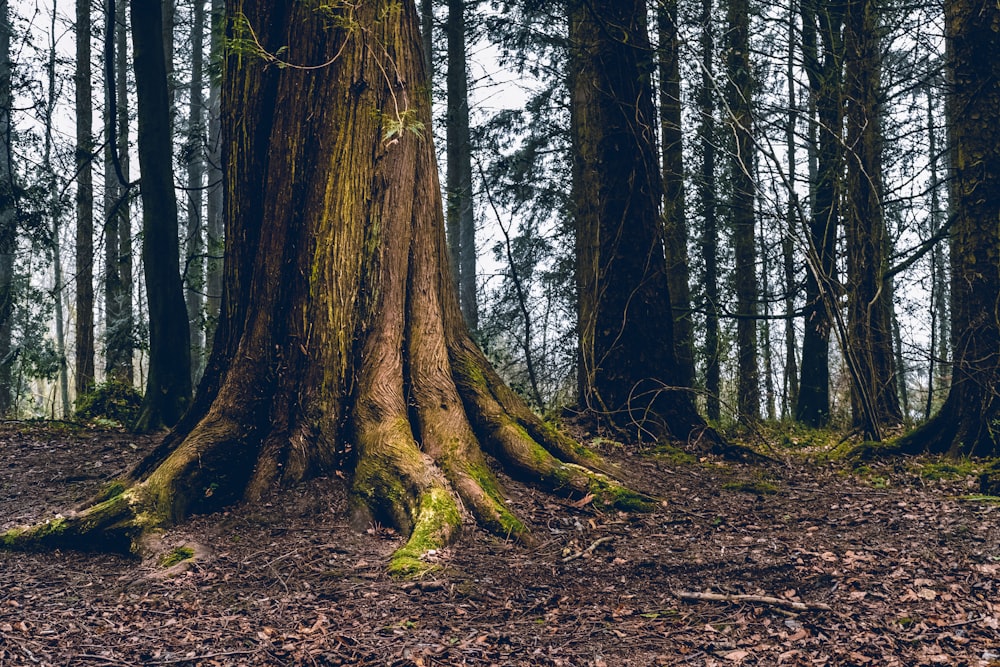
pixel 588 550
pixel 759 599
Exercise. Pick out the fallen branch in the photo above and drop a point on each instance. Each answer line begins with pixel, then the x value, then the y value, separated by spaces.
pixel 588 550
pixel 759 599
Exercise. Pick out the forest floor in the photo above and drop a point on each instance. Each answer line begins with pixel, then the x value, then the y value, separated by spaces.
pixel 904 555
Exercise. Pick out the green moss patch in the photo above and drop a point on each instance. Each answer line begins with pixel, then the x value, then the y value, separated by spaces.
pixel 175 556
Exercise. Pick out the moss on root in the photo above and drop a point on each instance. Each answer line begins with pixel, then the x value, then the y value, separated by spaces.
pixel 438 521
pixel 509 525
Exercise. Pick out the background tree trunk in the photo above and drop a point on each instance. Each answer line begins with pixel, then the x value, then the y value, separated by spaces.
pixel 742 168
pixel 824 72
pixel 710 229
pixel 8 218
pixel 628 370
pixel 194 154
pixel 790 392
pixel 168 386
pixel 118 338
pixel 460 215
pixel 84 203
pixel 214 224
pixel 966 423
pixel 674 213
pixel 869 310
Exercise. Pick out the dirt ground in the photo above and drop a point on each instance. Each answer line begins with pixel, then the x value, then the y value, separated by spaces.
pixel 908 565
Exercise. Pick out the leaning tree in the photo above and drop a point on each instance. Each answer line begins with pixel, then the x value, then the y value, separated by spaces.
pixel 340 341
pixel 968 423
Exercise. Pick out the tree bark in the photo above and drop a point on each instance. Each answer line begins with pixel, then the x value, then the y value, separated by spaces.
pixel 742 168
pixel 84 203
pixel 341 341
pixel 874 397
pixel 628 371
pixel 168 386
pixel 674 213
pixel 966 423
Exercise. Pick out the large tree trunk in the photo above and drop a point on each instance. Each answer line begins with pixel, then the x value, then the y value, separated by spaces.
pixel 341 341
pixel 627 366
pixel 742 167
pixel 84 203
pixel 168 385
pixel 674 220
pixel 966 425
pixel 874 396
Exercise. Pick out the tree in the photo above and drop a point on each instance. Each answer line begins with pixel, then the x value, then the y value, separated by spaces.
pixel 824 66
pixel 84 202
pixel 790 389
pixel 340 322
pixel 461 221
pixel 710 225
pixel 966 425
pixel 8 216
pixel 628 371
pixel 742 165
pixel 213 210
pixel 118 339
pixel 168 385
pixel 194 266
pixel 674 222
pixel 875 396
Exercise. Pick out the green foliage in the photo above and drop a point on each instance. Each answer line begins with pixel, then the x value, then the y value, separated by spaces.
pixel 111 402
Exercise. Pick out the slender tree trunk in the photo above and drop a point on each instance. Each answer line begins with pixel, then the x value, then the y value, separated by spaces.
pixel 340 321
pixel 427 39
pixel 674 214
pixel 824 70
pixel 966 424
pixel 742 164
pixel 710 230
pixel 875 398
pixel 214 217
pixel 117 222
pixel 57 280
pixel 168 387
pixel 194 272
pixel 8 217
pixel 628 369
pixel 937 357
pixel 84 202
pixel 460 215
pixel 791 384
